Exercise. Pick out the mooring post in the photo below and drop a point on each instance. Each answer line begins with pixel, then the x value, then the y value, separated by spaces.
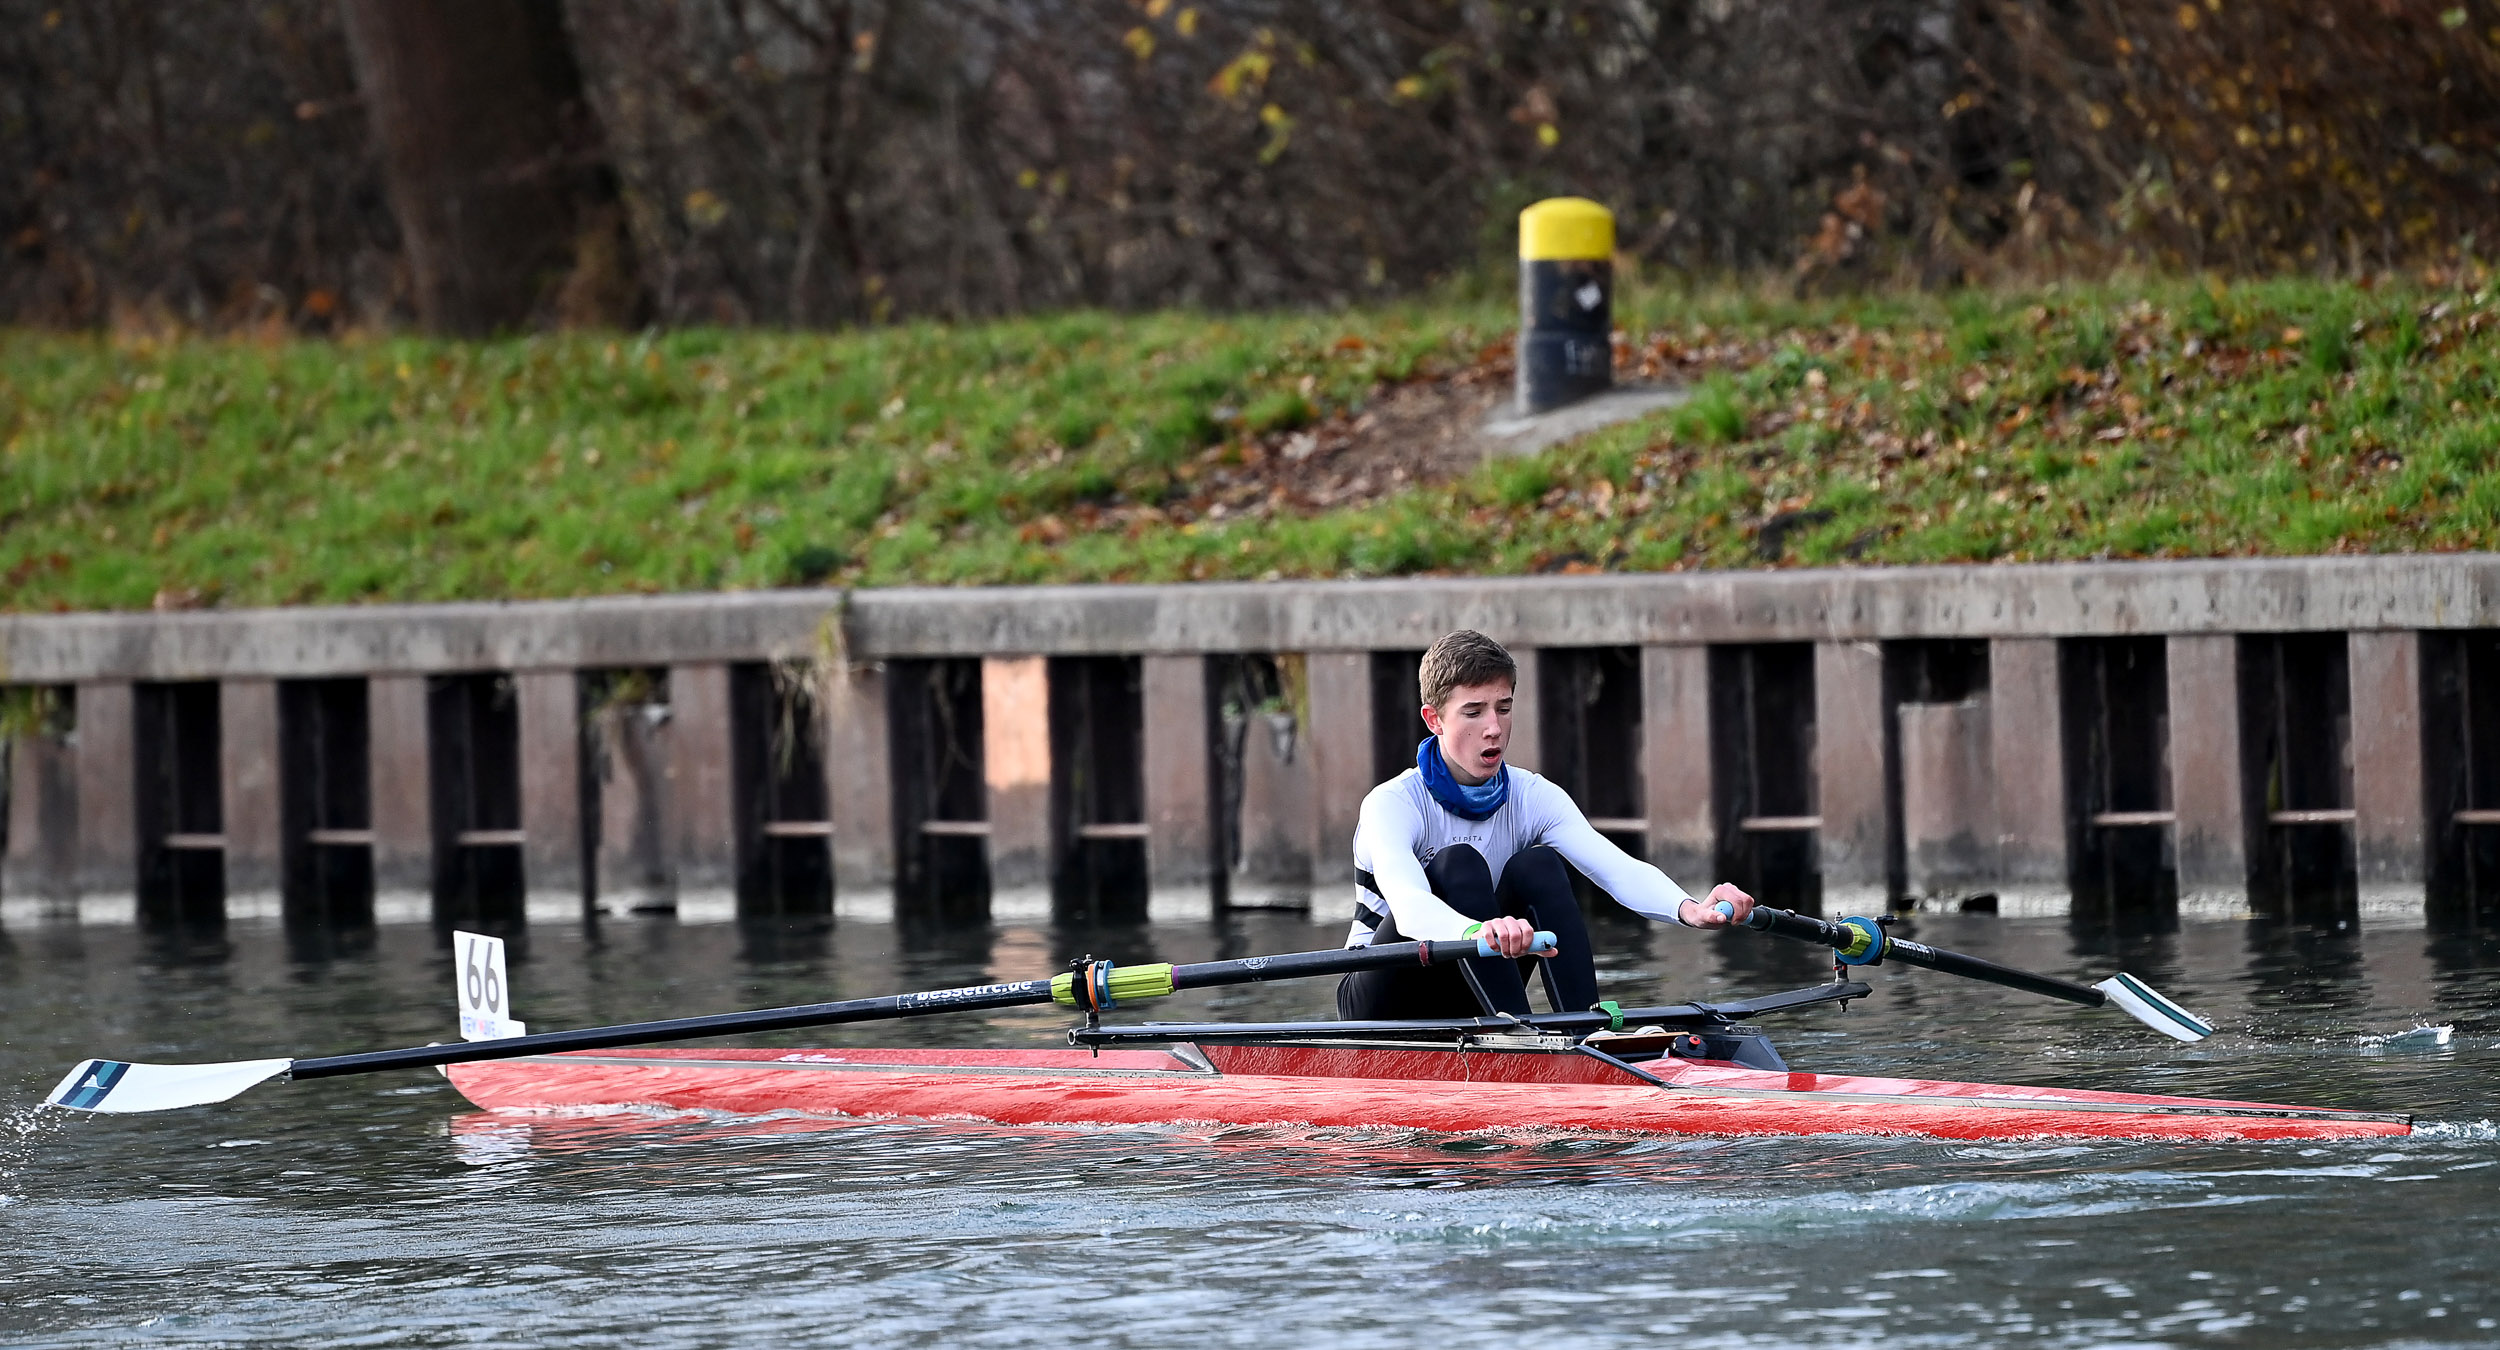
pixel 1676 781
pixel 1015 759
pixel 2390 824
pixel 2205 769
pixel 859 751
pixel 1343 770
pixel 248 765
pixel 551 778
pixel 2027 752
pixel 1849 769
pixel 1566 302
pixel 1179 842
pixel 402 772
pixel 1527 729
pixel 698 793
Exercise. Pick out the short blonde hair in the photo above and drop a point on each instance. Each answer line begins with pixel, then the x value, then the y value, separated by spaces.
pixel 1462 659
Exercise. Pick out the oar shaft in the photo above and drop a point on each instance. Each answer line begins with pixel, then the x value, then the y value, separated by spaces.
pixel 1845 938
pixel 1126 981
pixel 1980 968
pixel 1298 965
pixel 1013 994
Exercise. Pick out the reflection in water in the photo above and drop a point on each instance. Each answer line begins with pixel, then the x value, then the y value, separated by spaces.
pixel 1126 944
pixel 2305 967
pixel 1234 939
pixel 781 941
pixel 945 941
pixel 339 1212
pixel 2144 945
pixel 516 936
pixel 186 944
pixel 2121 924
pixel 308 944
pixel 1766 964
pixel 2465 967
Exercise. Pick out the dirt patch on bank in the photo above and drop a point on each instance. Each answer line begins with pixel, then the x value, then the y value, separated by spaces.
pixel 1409 434
pixel 1424 431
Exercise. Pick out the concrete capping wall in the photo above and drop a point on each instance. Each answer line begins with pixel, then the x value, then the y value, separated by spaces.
pixel 2395 592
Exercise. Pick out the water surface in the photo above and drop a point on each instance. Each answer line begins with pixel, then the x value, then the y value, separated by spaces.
pixel 385 1211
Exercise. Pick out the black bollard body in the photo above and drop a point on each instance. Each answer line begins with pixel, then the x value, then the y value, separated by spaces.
pixel 1566 302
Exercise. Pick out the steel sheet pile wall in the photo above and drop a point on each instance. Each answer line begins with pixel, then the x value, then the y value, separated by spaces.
pixel 2295 734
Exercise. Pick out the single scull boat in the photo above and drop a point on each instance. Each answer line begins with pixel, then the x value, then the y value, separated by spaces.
pixel 1694 1068
pixel 1691 1078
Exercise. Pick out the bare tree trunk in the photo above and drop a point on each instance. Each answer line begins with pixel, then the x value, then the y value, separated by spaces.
pixel 505 201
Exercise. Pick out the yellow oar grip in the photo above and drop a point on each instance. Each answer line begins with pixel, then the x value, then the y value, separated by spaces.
pixel 1128 983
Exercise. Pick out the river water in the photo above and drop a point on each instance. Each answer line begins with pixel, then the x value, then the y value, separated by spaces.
pixel 385 1211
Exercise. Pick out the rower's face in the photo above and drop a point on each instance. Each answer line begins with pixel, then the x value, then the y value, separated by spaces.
pixel 1473 725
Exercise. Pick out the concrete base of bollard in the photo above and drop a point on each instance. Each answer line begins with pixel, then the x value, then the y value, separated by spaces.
pixel 1509 433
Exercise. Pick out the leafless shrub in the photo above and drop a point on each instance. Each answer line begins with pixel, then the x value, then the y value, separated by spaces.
pixel 204 164
pixel 821 161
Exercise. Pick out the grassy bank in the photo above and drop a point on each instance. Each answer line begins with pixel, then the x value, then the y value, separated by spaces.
pixel 2160 418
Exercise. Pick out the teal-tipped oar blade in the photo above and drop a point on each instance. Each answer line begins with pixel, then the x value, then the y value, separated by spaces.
pixel 2147 1005
pixel 113 1085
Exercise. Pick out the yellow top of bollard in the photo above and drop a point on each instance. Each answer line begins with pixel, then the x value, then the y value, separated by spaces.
pixel 1566 229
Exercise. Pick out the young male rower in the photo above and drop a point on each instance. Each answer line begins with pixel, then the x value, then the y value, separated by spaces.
pixel 1466 845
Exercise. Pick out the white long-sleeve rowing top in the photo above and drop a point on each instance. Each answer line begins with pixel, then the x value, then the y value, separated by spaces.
pixel 1402 827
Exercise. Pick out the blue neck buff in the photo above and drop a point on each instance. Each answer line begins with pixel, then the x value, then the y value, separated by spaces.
pixel 1468 803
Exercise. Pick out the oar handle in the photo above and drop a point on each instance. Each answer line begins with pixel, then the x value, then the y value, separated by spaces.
pixel 1539 943
pixel 1789 924
pixel 1864 942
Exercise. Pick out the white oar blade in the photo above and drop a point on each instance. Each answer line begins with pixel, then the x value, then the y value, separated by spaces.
pixel 2148 1006
pixel 112 1085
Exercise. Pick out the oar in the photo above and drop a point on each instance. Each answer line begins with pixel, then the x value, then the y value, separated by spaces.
pixel 1863 942
pixel 120 1086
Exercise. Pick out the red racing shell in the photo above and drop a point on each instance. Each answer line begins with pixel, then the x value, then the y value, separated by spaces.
pixel 1415 1088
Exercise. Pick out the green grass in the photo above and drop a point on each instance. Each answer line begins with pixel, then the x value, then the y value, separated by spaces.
pixel 2163 417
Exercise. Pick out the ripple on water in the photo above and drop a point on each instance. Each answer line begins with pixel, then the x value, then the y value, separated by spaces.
pixel 23 1133
pixel 2484 1130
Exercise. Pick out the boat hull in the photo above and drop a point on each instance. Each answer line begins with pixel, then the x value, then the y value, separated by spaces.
pixel 1366 1086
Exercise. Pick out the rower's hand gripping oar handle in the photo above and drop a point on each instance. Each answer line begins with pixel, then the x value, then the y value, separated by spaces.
pixel 1863 942
pixel 1538 945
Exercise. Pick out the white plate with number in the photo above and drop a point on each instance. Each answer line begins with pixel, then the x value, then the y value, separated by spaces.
pixel 485 990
